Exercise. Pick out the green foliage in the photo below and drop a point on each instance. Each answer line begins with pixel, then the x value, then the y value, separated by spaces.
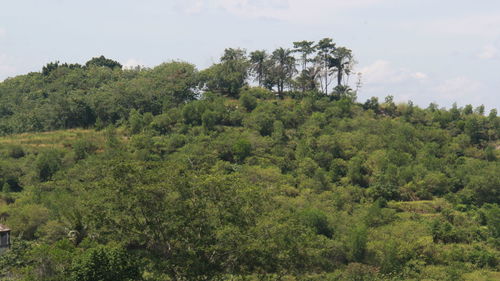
pixel 83 147
pixel 104 263
pixel 356 243
pixel 198 176
pixel 103 62
pixel 242 148
pixel 47 164
pixel 248 101
pixel 16 151
pixel 26 219
pixel 317 220
pixel 209 119
pixel 230 75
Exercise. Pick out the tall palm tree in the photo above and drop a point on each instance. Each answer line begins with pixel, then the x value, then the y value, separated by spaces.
pixel 258 60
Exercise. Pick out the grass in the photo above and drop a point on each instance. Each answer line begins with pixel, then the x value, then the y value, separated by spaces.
pixel 55 139
pixel 482 276
pixel 59 138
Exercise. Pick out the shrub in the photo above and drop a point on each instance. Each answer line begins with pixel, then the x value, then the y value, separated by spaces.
pixel 104 263
pixel 47 164
pixel 241 150
pixel 357 243
pixel 317 220
pixel 16 151
pixel 209 119
pixel 83 147
pixel 248 101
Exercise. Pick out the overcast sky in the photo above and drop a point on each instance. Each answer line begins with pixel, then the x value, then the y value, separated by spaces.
pixel 426 51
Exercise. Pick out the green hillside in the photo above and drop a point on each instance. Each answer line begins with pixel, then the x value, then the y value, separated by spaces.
pixel 171 173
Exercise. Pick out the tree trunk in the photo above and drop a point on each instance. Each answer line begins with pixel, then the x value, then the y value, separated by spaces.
pixel 339 76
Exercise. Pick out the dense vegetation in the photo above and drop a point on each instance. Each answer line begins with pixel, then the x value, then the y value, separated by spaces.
pixel 171 173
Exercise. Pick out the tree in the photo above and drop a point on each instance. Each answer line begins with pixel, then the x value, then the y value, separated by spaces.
pixel 259 65
pixel 47 69
pixel 305 48
pixel 103 62
pixel 357 243
pixel 241 150
pixel 248 101
pixel 228 76
pixel 104 263
pixel 343 63
pixel 308 75
pixel 172 83
pixel 308 78
pixel 47 164
pixel 50 67
pixel 191 225
pixel 325 58
pixel 283 68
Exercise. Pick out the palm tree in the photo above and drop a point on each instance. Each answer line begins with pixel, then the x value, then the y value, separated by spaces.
pixel 258 60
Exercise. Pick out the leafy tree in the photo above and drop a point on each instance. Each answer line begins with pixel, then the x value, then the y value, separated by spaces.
pixel 357 243
pixel 305 48
pixel 307 75
pixel 209 119
pixel 103 62
pixel 104 264
pixel 343 63
pixel 241 149
pixel 83 147
pixel 248 101
pixel 47 164
pixel 229 76
pixel 317 220
pixel 173 83
pixel 283 68
pixel 325 57
pixel 6 188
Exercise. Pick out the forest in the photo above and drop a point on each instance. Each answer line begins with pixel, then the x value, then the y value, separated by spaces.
pixel 263 166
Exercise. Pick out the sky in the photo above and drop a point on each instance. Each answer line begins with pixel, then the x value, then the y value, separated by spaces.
pixel 425 51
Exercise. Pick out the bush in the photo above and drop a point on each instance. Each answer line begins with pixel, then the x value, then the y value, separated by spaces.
pixel 356 243
pixel 104 263
pixel 359 272
pixel 248 101
pixel 241 150
pixel 317 220
pixel 209 119
pixel 83 147
pixel 47 164
pixel 16 151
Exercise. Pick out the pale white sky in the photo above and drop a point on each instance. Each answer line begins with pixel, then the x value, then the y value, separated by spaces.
pixel 424 50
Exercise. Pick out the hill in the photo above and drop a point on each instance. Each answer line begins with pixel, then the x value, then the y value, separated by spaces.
pixel 171 173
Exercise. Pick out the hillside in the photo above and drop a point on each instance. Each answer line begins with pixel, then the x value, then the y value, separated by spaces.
pixel 172 173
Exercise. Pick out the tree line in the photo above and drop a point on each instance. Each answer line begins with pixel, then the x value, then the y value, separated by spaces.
pixel 308 66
